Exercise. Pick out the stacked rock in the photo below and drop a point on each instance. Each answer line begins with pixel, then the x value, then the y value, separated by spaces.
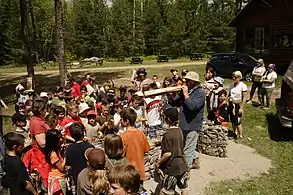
pixel 151 158
pixel 213 141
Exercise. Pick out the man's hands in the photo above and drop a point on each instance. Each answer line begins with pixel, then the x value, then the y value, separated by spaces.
pixel 185 91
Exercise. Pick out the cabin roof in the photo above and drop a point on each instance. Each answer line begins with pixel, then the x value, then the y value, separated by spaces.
pixel 241 15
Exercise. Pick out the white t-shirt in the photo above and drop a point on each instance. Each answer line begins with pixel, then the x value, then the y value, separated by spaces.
pixel 158 84
pixel 258 70
pixel 153 112
pixel 117 118
pixel 271 76
pixel 139 113
pixel 236 91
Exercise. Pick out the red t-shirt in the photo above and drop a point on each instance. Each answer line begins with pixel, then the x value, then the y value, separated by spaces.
pixel 85 83
pixel 67 120
pixel 75 90
pixel 37 126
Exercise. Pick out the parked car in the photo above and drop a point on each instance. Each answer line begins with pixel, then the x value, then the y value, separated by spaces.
pixel 225 64
pixel 284 104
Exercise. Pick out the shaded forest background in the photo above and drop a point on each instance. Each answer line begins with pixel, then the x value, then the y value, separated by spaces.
pixel 126 28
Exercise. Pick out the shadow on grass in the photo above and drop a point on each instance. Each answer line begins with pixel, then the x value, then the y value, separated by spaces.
pixel 276 131
pixel 48 82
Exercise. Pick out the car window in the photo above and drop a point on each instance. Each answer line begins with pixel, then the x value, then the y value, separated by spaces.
pixel 225 58
pixel 248 59
pixel 214 58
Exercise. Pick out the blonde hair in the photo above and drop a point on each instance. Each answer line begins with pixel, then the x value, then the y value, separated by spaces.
pixel 99 181
pixel 71 105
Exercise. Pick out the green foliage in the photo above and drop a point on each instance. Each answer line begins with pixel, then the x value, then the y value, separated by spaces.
pixel 124 29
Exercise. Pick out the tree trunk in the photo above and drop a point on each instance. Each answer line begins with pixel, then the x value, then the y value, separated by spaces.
pixel 27 44
pixel 60 41
pixel 35 38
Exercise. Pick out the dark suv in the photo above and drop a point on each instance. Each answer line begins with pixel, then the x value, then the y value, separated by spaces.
pixel 225 64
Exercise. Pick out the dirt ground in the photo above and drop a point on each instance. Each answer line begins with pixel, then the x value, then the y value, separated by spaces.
pixel 242 163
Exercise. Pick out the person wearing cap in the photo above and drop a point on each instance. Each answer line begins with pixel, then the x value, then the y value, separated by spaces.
pixel 111 99
pixel 156 80
pixel 139 79
pixel 58 96
pixel 21 96
pixel 86 81
pixel 20 122
pixel 83 109
pixel 191 102
pixel 125 100
pixel 257 74
pixel 93 179
pixel 92 127
pixel 172 161
pixel 268 86
pixel 214 99
pixel 44 96
pixel 237 95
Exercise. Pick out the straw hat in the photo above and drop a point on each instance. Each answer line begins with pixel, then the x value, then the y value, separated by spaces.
pixel 193 76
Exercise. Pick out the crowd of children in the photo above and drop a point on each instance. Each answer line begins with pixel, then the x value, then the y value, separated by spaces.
pixel 60 135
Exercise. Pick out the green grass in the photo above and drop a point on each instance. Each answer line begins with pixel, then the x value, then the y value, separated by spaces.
pixel 267 137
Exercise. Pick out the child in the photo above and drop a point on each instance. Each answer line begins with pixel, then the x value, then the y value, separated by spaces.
pixel 83 109
pixel 20 123
pixel 117 117
pixel 111 100
pixel 53 156
pixel 75 158
pixel 75 88
pixel 140 112
pixel 16 179
pixel 214 98
pixel 72 109
pixel 84 95
pixel 92 127
pixel 221 113
pixel 123 98
pixel 152 105
pixel 52 121
pixel 134 140
pixel 106 121
pixel 113 147
pixel 93 178
pixel 208 85
pixel 124 179
pixel 155 79
pixel 59 111
pixel 172 161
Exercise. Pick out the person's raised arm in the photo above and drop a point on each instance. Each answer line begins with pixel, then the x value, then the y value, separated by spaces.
pixel 132 79
pixel 3 104
pixel 194 102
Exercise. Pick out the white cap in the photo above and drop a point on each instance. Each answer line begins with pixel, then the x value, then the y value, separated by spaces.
pixel 43 94
pixel 139 93
pixel 83 107
pixel 19 87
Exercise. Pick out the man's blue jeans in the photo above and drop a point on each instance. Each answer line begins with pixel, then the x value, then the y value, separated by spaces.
pixel 190 142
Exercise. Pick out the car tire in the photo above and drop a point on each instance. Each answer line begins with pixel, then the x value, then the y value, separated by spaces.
pixel 248 76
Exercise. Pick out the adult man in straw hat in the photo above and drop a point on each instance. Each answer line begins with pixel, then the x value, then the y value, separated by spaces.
pixel 191 102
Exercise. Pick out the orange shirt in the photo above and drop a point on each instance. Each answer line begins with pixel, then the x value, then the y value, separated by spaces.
pixel 135 146
pixel 54 172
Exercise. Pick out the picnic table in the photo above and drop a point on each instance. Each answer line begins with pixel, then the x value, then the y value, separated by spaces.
pixel 162 58
pixel 96 60
pixel 196 56
pixel 136 60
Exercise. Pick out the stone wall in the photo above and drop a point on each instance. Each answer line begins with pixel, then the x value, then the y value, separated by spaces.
pixel 213 141
pixel 151 158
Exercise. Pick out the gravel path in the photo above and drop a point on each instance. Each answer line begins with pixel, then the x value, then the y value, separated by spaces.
pixel 242 163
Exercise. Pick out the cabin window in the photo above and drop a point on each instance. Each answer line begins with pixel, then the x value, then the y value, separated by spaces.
pixel 282 41
pixel 257 39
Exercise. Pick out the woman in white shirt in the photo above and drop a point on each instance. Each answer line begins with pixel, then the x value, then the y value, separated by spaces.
pixel 257 74
pixel 237 94
pixel 268 86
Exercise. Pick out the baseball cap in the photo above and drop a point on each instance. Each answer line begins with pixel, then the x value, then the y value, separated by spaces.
pixel 111 92
pixel 170 112
pixel 91 112
pixel 83 107
pixel 219 80
pixel 123 87
pixel 18 117
pixel 96 158
pixel 43 94
pixel 173 70
pixel 141 70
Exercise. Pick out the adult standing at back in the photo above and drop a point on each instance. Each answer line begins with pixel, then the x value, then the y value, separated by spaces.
pixel 191 102
pixel 139 79
pixel 257 74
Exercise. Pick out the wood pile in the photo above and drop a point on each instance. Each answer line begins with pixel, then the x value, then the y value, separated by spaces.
pixel 213 141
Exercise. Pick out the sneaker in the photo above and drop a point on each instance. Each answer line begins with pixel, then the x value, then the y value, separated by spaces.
pixel 195 164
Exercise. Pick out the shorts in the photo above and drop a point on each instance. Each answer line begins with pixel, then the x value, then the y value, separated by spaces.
pixel 170 182
pixel 235 117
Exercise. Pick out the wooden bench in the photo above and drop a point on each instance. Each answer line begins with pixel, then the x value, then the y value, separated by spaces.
pixel 196 56
pixel 162 58
pixel 136 60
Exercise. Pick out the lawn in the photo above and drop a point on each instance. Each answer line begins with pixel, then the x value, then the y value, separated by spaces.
pixel 267 137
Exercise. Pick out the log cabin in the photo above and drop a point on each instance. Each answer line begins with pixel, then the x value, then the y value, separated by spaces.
pixel 264 29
